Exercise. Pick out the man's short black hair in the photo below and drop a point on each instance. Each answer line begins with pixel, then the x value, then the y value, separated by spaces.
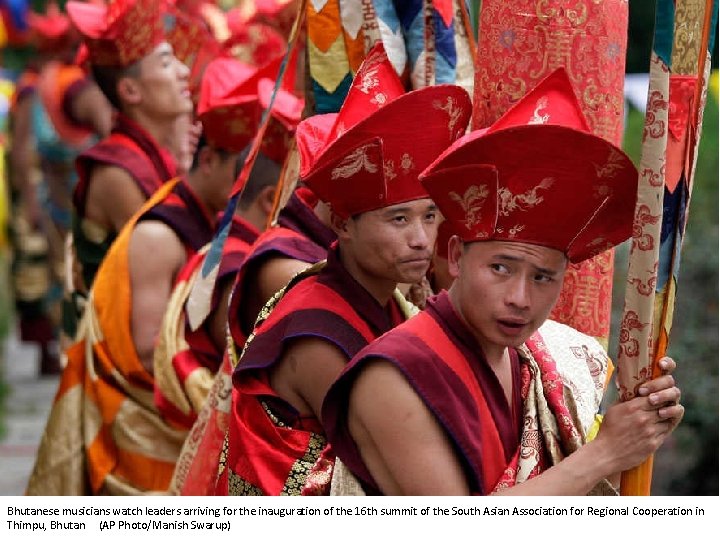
pixel 265 173
pixel 202 143
pixel 107 78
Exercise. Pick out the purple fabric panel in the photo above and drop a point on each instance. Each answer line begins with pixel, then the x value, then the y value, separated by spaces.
pixel 188 219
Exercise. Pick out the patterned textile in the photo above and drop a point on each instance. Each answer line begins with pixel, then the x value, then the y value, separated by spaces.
pixel 679 71
pixel 427 41
pixel 120 33
pixel 105 435
pixel 519 43
pixel 558 380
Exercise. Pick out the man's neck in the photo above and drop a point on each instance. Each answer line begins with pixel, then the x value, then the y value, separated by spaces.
pixel 199 188
pixel 254 216
pixel 162 132
pixel 380 289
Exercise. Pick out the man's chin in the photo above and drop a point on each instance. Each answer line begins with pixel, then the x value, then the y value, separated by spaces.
pixel 412 277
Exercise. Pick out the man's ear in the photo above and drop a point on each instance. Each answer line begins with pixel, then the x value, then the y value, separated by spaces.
pixel 128 91
pixel 339 224
pixel 266 199
pixel 455 252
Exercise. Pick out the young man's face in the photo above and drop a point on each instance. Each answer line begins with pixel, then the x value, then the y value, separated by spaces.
pixel 504 290
pixel 163 83
pixel 394 243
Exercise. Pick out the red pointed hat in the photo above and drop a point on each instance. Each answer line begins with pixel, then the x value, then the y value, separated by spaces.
pixel 51 29
pixel 119 34
pixel 191 40
pixel 538 176
pixel 233 97
pixel 370 153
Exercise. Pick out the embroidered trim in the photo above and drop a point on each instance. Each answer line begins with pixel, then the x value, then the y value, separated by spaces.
pixel 303 466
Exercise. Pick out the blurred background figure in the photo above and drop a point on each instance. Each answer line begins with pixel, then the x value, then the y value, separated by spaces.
pixel 56 113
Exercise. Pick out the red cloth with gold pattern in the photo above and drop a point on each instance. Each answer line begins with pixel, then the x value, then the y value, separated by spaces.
pixel 519 44
pixel 119 34
pixel 538 162
pixel 233 97
pixel 362 158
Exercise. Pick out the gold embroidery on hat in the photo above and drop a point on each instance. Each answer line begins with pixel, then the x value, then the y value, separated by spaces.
pixel 515 229
pixel 406 163
pixel 537 118
pixel 369 81
pixel 452 110
pixel 613 163
pixel 523 201
pixel 353 163
pixel 389 169
pixel 380 99
pixel 471 203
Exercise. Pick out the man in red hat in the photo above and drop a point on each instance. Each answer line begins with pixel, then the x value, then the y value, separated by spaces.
pixel 129 446
pixel 136 69
pixel 57 113
pixel 493 396
pixel 363 162
pixel 191 347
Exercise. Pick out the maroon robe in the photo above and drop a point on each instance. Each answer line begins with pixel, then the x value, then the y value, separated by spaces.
pixel 443 362
pixel 299 235
pixel 271 448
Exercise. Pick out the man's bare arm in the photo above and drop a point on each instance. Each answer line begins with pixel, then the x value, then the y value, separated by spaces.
pixel 155 255
pixel 272 276
pixel 401 443
pixel 305 373
pixel 113 197
pixel 408 453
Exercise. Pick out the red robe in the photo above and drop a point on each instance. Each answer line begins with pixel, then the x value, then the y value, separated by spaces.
pixel 299 235
pixel 190 352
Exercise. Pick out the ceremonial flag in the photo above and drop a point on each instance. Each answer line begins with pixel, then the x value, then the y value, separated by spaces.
pixel 679 71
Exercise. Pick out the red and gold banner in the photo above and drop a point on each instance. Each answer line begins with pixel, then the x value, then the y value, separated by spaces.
pixel 521 42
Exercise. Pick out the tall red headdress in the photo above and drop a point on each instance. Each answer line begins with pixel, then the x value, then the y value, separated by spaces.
pixel 538 176
pixel 369 155
pixel 233 96
pixel 120 34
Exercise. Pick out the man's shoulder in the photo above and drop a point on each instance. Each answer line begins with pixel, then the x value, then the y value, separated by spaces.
pixel 154 240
